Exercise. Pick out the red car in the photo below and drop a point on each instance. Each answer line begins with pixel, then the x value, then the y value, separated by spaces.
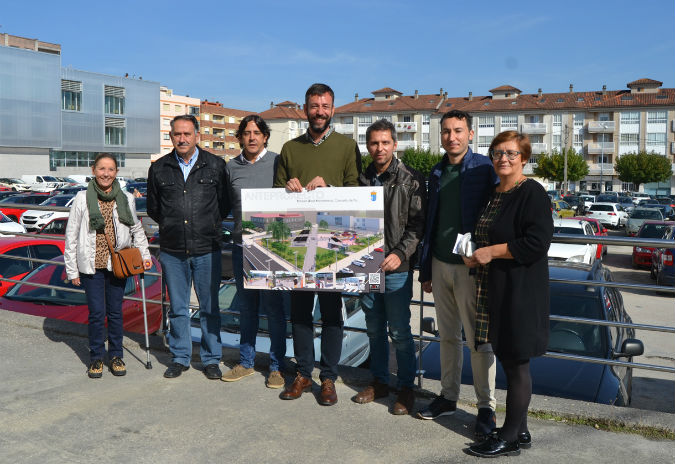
pixel 41 248
pixel 62 304
pixel 378 249
pixel 14 213
pixel 599 230
pixel 642 256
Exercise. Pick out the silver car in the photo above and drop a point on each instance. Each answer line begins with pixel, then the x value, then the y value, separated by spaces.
pixel 639 216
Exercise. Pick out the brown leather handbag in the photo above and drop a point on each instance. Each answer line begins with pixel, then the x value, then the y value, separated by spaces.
pixel 126 262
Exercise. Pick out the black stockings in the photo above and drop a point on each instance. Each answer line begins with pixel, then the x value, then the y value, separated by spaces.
pixel 518 394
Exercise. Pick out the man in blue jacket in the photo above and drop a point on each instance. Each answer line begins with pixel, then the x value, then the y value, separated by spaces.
pixel 459 187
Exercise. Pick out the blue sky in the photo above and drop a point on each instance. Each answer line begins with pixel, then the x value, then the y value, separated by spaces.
pixel 246 54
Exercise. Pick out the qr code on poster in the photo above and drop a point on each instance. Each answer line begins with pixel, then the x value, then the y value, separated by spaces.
pixel 374 278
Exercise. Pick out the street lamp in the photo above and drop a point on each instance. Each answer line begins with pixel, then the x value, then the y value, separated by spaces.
pixel 603 125
pixel 296 260
pixel 335 250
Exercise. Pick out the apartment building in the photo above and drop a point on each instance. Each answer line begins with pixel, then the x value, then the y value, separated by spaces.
pixel 57 119
pixel 219 128
pixel 286 121
pixel 170 106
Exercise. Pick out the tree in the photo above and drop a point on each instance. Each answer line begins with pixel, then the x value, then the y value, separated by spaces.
pixel 308 224
pixel 365 162
pixel 643 167
pixel 279 230
pixel 247 225
pixel 421 160
pixel 552 167
pixel 323 224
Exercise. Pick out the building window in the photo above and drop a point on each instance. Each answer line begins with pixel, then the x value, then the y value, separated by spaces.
pixel 194 111
pixel 603 159
pixel 425 119
pixel 362 138
pixel 656 117
pixel 166 122
pixel 347 119
pixel 231 146
pixel 627 187
pixel 630 117
pixel 557 120
pixel 603 117
pixel 629 139
pixel 484 142
pixel 365 121
pixel 178 108
pixel 555 141
pixel 167 137
pixel 79 159
pixel 207 130
pixel 387 117
pixel 231 119
pixel 578 121
pixel 486 121
pixel 425 137
pixel 656 142
pixel 115 131
pixel 166 107
pixel 509 122
pixel 114 99
pixel 407 118
pixel 205 117
pixel 71 95
pixel 207 144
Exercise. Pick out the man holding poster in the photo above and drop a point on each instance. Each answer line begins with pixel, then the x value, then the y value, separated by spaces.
pixel 318 158
pixel 404 208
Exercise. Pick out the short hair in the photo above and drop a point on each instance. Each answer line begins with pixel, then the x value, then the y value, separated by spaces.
pixel 319 89
pixel 186 117
pixel 100 156
pixel 260 122
pixel 381 125
pixel 458 114
pixel 522 140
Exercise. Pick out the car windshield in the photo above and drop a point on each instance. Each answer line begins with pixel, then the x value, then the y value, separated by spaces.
pixel 573 337
pixel 4 218
pixel 11 199
pixel 653 231
pixel 607 198
pixel 602 208
pixel 568 230
pixel 50 274
pixel 58 200
pixel 645 214
pixel 50 179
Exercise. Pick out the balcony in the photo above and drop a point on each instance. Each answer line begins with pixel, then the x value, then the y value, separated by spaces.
pixel 596 169
pixel 600 127
pixel 533 128
pixel 538 148
pixel 405 126
pixel 600 148
pixel 344 128
pixel 529 168
pixel 405 144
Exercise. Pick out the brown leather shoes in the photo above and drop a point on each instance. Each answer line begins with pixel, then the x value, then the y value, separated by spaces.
pixel 372 392
pixel 404 401
pixel 328 395
pixel 300 384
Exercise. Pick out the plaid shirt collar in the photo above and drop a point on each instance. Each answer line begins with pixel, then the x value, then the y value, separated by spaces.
pixel 321 140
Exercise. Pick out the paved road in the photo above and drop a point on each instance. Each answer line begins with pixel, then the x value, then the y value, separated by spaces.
pixel 52 413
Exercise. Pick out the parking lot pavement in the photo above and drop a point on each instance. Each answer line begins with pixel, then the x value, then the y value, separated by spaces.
pixel 52 413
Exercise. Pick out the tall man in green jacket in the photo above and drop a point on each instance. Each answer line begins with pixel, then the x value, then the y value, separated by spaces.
pixel 318 158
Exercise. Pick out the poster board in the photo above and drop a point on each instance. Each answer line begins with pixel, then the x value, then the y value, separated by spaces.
pixel 325 240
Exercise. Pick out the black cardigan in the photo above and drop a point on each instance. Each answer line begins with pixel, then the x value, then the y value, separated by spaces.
pixel 518 288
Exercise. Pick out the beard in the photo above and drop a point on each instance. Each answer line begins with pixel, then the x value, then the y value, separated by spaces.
pixel 318 126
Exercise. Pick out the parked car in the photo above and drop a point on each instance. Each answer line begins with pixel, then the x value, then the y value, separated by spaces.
pixel 24 247
pixel 577 204
pixel 638 196
pixel 141 187
pixel 626 203
pixel 368 257
pixel 39 183
pixel 15 212
pixel 358 262
pixel 642 256
pixel 610 214
pixel 379 250
pixel 68 189
pixel 665 201
pixel 584 253
pixel 607 197
pixel 60 303
pixel 54 227
pixel 33 219
pixel 346 270
pixel 639 216
pixel 662 262
pixel 599 231
pixel 149 224
pixel 9 227
pixel 554 195
pixel 562 208
pixel 563 377
pixel 355 345
pixel 15 184
pixel 588 200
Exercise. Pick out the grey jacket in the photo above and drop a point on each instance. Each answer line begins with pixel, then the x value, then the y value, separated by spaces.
pixel 80 251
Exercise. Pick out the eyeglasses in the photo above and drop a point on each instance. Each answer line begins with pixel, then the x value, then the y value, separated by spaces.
pixel 510 154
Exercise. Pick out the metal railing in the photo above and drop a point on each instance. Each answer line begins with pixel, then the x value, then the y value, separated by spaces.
pixel 420 338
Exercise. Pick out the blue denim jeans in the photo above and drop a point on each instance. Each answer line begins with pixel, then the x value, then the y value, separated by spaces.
pixel 180 270
pixel 393 307
pixel 251 303
pixel 104 297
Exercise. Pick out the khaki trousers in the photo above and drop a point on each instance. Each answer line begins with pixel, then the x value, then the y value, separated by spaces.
pixel 454 293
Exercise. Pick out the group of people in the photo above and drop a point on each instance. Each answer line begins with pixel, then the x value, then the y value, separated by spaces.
pixel 498 294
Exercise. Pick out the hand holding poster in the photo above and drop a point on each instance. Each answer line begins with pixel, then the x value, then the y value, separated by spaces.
pixel 328 239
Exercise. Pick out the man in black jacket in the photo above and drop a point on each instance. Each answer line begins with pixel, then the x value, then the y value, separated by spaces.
pixel 404 208
pixel 187 198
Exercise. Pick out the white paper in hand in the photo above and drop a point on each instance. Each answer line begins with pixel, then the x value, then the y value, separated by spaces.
pixel 464 246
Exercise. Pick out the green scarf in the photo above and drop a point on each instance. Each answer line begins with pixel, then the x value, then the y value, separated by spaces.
pixel 94 193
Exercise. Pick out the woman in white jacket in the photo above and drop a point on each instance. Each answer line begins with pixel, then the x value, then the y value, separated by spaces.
pixel 104 208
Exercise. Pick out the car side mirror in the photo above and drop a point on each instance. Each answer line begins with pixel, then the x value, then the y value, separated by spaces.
pixel 630 347
pixel 429 325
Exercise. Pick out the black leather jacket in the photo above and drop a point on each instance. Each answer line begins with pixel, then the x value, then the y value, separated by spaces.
pixel 405 204
pixel 189 213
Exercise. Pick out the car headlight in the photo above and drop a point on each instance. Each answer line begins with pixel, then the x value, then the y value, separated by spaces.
pixel 46 215
pixel 576 259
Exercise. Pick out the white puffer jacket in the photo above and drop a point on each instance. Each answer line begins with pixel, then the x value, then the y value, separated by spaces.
pixel 80 252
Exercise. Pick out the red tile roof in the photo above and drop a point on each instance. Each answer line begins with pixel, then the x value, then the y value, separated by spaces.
pixel 505 88
pixel 644 82
pixel 402 103
pixel 386 90
pixel 283 113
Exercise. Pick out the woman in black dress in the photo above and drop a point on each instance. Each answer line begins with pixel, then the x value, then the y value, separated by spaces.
pixel 512 237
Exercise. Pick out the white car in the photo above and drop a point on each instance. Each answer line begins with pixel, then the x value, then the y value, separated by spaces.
pixel 367 257
pixel 609 214
pixel 637 196
pixel 578 253
pixel 9 227
pixel 34 220
pixel 588 200
pixel 359 263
